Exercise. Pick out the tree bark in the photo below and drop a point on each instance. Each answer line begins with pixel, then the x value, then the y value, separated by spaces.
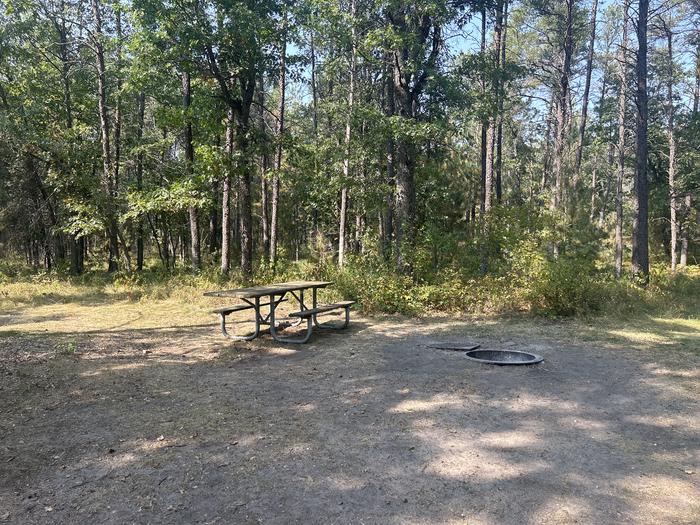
pixel 274 219
pixel 118 101
pixel 671 149
pixel 688 203
pixel 594 187
pixel 214 232
pixel 195 247
pixel 226 199
pixel 485 190
pixel 245 206
pixel 342 241
pixel 493 119
pixel 247 83
pixel 621 107
pixel 640 230
pixel 265 205
pixel 547 155
pixel 412 66
pixel 501 96
pixel 562 106
pixel 314 89
pixel 139 177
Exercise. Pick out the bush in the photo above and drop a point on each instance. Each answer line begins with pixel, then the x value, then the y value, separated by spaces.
pixel 566 287
pixel 524 276
pixel 374 287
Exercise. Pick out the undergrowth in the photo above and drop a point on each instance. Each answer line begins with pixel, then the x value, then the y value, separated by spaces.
pixel 549 287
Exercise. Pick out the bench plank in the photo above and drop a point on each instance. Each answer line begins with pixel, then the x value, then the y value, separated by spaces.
pixel 321 309
pixel 240 307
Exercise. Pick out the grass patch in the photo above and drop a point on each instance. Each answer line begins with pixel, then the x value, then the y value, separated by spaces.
pixel 665 314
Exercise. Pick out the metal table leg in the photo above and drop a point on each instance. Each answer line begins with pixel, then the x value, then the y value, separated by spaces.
pixel 294 340
pixel 299 298
pixel 248 337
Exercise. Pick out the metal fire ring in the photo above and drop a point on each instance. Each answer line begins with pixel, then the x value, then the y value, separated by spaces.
pixel 504 357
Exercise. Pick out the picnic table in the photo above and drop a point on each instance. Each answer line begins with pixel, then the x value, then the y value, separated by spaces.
pixel 272 295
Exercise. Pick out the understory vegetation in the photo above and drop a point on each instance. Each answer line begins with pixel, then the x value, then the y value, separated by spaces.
pixel 526 281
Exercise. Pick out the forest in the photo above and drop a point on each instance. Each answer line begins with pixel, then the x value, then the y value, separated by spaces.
pixel 527 154
pixel 428 262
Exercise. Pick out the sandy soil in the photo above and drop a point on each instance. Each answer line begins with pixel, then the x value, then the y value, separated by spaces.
pixel 176 425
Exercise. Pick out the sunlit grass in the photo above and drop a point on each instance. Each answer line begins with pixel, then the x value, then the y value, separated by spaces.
pixel 663 317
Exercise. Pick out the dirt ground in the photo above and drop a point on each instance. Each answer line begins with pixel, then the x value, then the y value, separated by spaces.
pixel 173 424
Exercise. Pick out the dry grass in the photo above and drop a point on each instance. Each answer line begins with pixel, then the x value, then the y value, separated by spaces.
pixel 68 310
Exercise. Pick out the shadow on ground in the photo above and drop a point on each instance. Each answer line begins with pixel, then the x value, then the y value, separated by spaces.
pixel 364 426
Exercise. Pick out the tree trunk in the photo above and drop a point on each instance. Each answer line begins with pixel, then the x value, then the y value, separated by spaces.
pixel 214 219
pixel 342 226
pixel 562 109
pixel 485 190
pixel 342 241
pixel 547 155
pixel 671 150
pixel 688 203
pixel 265 205
pixel 388 219
pixel 226 199
pixel 621 107
pixel 493 119
pixel 411 71
pixel 640 230
pixel 107 174
pixel 501 96
pixel 118 104
pixel 195 249
pixel 278 156
pixel 594 188
pixel 405 206
pixel 139 178
pixel 247 85
pixel 314 89
pixel 245 198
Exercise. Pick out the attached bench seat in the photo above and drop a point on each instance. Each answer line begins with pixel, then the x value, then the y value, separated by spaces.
pixel 309 315
pixel 240 307
pixel 322 309
pixel 311 320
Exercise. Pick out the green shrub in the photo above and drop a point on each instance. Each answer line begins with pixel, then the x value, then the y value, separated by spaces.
pixel 565 287
pixel 523 276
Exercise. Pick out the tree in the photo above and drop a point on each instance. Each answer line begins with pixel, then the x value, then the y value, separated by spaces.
pixel 671 132
pixel 695 115
pixel 640 229
pixel 280 147
pixel 621 112
pixel 325 127
pixel 195 250
pixel 562 105
pixel 417 32
pixel 348 136
pixel 109 167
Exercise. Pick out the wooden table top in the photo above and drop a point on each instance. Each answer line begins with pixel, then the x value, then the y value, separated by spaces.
pixel 268 289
